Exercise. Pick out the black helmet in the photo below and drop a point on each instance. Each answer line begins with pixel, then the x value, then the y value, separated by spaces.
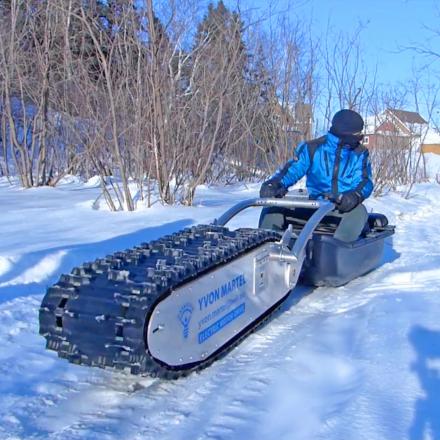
pixel 346 122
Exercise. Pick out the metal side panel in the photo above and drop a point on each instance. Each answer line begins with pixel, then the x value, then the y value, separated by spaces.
pixel 197 319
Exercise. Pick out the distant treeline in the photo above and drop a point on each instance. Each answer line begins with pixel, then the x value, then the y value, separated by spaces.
pixel 157 95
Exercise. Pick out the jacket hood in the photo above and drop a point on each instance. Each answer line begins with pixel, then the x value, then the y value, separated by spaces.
pixel 351 141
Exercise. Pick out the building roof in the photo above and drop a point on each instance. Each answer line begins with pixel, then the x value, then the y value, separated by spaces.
pixel 407 117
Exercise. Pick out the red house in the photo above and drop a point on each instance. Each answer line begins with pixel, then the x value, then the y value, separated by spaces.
pixel 394 127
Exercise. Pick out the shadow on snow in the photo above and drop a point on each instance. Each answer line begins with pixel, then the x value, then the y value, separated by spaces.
pixel 426 420
pixel 75 255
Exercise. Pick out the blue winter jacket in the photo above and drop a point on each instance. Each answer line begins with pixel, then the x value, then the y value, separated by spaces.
pixel 330 167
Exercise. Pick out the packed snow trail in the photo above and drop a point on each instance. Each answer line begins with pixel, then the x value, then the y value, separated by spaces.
pixel 356 362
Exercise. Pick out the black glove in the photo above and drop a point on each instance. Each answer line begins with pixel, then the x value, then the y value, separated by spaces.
pixel 272 188
pixel 348 201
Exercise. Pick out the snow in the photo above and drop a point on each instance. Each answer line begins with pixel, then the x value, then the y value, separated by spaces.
pixel 432 165
pixel 360 361
pixel 431 136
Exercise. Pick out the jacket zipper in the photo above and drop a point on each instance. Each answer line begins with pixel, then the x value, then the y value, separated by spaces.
pixel 335 188
pixel 346 166
pixel 326 163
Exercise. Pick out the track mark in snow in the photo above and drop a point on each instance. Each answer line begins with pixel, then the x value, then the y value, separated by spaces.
pixel 6 264
pixel 41 271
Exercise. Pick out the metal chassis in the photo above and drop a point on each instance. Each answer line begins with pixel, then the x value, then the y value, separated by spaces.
pixel 266 276
pixel 297 253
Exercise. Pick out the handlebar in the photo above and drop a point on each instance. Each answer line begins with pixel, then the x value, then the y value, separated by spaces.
pixel 286 202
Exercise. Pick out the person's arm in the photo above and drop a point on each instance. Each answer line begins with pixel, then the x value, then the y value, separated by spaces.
pixel 362 177
pixel 288 175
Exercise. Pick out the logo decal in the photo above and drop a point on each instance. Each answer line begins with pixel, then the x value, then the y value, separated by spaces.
pixel 222 322
pixel 220 292
pixel 185 314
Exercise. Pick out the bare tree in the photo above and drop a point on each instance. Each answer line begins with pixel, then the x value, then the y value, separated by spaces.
pixel 113 90
pixel 348 82
pixel 426 96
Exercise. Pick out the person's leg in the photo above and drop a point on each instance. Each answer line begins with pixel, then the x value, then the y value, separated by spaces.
pixel 352 223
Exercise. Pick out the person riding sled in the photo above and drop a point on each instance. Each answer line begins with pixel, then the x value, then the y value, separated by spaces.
pixel 336 167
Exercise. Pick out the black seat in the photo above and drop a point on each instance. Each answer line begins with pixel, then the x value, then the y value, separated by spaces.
pixel 377 221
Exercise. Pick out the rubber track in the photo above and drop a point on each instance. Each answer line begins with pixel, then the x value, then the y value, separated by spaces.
pixel 97 315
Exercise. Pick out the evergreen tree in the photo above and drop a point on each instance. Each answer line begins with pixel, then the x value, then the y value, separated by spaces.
pixel 219 35
pixel 219 70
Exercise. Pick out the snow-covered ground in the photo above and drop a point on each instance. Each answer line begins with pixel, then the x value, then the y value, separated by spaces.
pixel 356 362
pixel 433 165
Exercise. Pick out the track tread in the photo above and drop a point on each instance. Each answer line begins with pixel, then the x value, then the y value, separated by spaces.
pixel 96 314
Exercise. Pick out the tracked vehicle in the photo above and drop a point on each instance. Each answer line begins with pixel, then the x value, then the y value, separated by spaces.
pixel 174 305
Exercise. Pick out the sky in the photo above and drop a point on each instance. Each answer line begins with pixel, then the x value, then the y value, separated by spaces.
pixel 389 27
